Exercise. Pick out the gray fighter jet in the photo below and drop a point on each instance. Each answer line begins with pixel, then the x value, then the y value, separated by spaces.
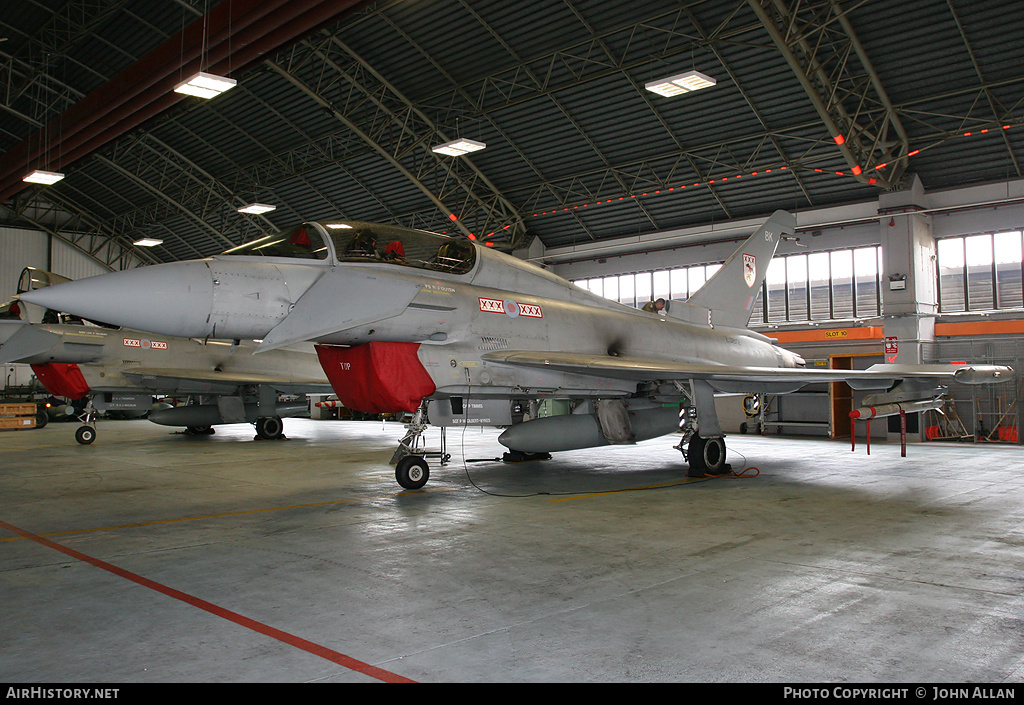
pixel 122 369
pixel 405 319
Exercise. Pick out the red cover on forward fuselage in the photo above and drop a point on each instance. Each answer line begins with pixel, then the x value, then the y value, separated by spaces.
pixel 377 377
pixel 62 379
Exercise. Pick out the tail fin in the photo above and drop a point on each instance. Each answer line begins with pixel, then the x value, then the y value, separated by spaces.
pixel 727 298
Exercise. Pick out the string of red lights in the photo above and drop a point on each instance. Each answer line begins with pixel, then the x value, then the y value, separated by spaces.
pixel 839 139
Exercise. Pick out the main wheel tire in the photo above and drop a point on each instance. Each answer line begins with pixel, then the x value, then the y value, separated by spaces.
pixel 269 427
pixel 85 435
pixel 412 472
pixel 695 457
pixel 706 455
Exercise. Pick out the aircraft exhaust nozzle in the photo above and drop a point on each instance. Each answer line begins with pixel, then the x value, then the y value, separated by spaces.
pixel 575 431
pixel 169 299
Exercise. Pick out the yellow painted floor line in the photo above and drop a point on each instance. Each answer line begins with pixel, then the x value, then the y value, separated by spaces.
pixel 633 489
pixel 217 516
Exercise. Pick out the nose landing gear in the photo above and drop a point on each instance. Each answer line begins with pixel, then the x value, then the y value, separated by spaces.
pixel 411 468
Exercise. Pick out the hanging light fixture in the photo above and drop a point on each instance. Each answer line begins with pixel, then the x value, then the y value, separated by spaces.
pixel 43 177
pixel 205 85
pixel 681 83
pixel 148 242
pixel 257 208
pixel 456 148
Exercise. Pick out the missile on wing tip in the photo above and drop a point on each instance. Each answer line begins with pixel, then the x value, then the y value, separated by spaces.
pixel 983 374
pixel 170 299
pixel 874 412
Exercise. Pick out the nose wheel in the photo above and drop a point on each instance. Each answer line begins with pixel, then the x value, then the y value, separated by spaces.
pixel 86 434
pixel 412 472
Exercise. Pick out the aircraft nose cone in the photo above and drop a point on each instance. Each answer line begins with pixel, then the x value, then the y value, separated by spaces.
pixel 170 299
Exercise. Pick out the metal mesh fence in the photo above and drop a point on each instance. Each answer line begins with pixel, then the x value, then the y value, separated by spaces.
pixel 986 413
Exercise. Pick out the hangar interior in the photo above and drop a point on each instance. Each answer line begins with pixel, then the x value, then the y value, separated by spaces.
pixel 892 131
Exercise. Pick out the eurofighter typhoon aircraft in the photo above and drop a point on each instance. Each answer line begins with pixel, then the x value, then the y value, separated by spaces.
pixel 404 319
pixel 121 370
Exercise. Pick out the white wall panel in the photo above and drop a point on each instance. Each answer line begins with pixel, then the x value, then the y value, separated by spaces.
pixel 69 262
pixel 19 249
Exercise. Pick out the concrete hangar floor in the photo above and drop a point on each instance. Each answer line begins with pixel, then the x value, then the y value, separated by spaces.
pixel 152 556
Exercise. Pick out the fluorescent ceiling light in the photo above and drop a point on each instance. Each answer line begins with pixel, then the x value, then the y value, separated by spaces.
pixel 205 85
pixel 339 226
pixel 456 148
pixel 43 177
pixel 148 242
pixel 681 83
pixel 257 208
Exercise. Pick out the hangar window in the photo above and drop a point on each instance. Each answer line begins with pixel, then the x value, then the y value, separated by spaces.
pixel 806 287
pixel 980 272
pixel 637 289
pixel 821 286
pixel 302 242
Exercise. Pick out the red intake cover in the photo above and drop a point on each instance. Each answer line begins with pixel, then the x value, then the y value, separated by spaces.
pixel 377 377
pixel 62 379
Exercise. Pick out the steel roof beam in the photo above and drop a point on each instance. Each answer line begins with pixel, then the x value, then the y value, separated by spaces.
pixel 343 83
pixel 543 75
pixel 992 103
pixel 852 104
pixel 754 109
pixel 493 124
pixel 77 229
pixel 234 35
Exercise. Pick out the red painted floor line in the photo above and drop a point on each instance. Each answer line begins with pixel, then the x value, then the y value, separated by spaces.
pixel 299 643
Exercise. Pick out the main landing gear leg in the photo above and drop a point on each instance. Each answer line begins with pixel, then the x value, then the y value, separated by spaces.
pixel 411 468
pixel 269 425
pixel 703 444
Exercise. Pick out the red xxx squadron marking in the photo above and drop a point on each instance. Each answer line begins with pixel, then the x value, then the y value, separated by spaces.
pixel 510 308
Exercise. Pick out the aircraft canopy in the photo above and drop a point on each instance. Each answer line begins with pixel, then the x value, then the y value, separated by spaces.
pixel 372 242
pixel 301 242
pixel 366 242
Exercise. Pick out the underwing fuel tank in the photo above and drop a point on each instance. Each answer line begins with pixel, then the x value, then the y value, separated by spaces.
pixel 211 415
pixel 575 431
